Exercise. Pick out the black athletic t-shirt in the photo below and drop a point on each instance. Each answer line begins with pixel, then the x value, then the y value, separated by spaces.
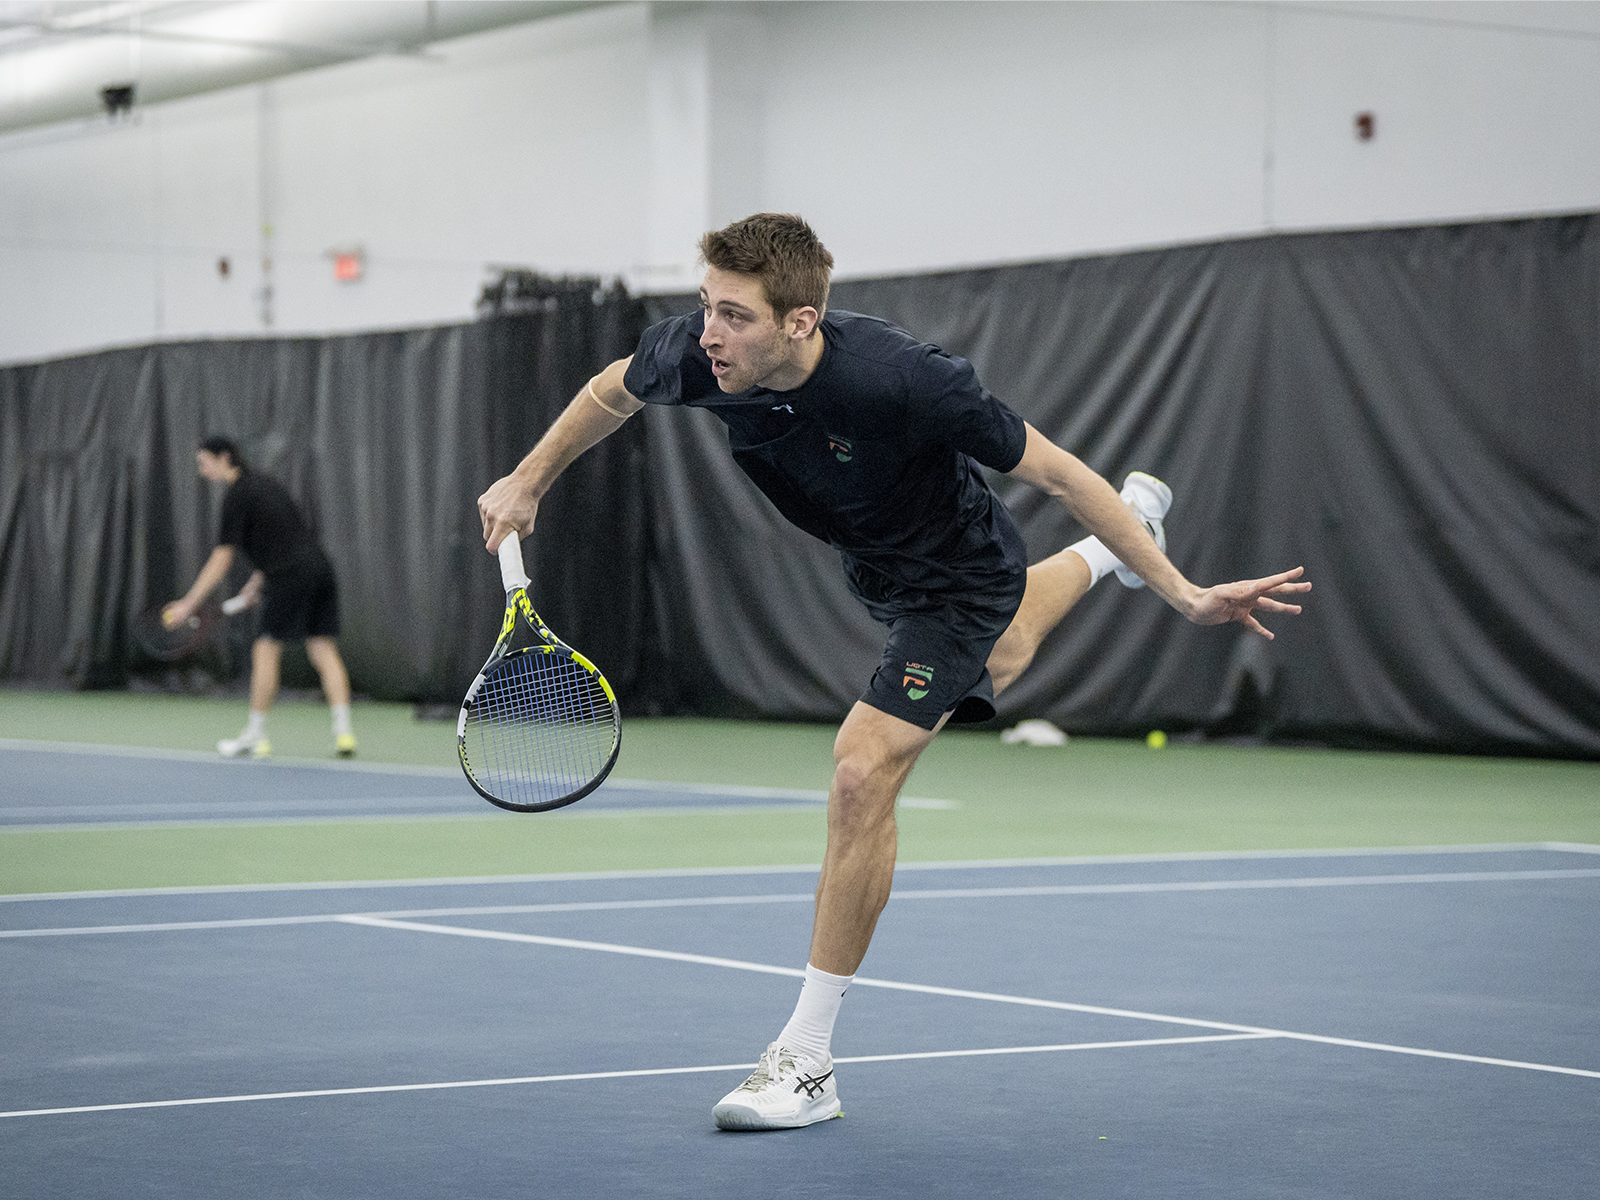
pixel 875 453
pixel 261 518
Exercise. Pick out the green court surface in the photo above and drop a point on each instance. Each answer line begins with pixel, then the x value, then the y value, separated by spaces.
pixel 1090 797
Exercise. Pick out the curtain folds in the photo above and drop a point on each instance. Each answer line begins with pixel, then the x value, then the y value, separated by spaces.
pixel 1413 415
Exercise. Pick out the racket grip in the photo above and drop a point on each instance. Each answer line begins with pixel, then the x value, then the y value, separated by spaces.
pixel 512 572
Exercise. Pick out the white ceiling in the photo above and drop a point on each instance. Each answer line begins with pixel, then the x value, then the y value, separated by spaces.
pixel 56 57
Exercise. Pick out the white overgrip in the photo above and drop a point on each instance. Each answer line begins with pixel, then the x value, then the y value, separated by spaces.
pixel 512 572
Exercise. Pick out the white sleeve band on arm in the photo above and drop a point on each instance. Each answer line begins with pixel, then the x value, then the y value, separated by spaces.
pixel 595 396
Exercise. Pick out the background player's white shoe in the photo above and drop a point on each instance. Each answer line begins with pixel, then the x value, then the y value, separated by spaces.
pixel 1149 499
pixel 787 1090
pixel 243 745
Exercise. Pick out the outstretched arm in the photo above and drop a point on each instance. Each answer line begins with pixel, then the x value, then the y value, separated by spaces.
pixel 1097 506
pixel 595 413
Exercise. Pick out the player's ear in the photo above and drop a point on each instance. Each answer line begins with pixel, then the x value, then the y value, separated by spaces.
pixel 801 322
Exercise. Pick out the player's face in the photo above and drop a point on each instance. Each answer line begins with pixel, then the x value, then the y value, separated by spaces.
pixel 214 467
pixel 745 341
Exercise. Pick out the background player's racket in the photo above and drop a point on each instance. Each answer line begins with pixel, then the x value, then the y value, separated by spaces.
pixel 539 727
pixel 173 643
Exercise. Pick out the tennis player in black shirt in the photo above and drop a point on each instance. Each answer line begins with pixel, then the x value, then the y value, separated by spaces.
pixel 293 582
pixel 870 440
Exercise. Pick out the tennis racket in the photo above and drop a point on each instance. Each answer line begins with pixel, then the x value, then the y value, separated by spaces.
pixel 174 643
pixel 539 727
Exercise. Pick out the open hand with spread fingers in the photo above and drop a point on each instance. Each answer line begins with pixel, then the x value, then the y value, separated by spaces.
pixel 1241 601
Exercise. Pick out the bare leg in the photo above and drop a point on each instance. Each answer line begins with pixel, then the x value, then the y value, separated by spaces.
pixel 266 656
pixel 873 754
pixel 324 655
pixel 1054 586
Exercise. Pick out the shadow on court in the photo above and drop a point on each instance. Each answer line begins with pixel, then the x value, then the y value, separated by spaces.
pixel 1375 1025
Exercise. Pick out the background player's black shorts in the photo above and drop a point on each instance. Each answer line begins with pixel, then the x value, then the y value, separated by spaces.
pixel 301 601
pixel 939 643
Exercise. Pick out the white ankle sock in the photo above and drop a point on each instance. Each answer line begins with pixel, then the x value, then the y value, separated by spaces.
pixel 810 1030
pixel 256 726
pixel 341 719
pixel 1099 557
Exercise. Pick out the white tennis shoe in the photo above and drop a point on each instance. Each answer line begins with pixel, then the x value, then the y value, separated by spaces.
pixel 1149 499
pixel 786 1091
pixel 245 746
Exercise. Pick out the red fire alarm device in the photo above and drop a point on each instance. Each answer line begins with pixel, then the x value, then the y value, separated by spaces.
pixel 1366 125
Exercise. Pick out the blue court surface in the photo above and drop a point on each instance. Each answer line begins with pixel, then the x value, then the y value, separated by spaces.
pixel 1352 1024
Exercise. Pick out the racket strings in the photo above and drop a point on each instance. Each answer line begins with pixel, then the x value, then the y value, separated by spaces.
pixel 541 728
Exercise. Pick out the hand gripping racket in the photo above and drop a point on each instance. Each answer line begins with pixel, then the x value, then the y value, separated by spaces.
pixel 539 727
pixel 174 643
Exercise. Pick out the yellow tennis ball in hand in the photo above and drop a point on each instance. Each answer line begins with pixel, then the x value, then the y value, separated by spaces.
pixel 1155 739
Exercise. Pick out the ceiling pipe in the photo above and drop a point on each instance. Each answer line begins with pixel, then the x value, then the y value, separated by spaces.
pixel 57 61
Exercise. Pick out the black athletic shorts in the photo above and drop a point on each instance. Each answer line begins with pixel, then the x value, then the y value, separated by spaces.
pixel 937 658
pixel 301 601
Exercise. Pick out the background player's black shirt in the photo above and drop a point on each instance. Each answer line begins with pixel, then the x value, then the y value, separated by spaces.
pixel 874 453
pixel 261 518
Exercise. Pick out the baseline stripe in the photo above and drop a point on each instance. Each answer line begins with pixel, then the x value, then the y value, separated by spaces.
pixel 963 994
pixel 1182 1041
pixel 170 926
pixel 471 1083
pixel 1073 889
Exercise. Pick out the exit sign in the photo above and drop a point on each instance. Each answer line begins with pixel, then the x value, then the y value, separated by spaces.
pixel 347 268
pixel 349 264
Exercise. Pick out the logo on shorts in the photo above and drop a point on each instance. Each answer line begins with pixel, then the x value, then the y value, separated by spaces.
pixel 841 447
pixel 917 680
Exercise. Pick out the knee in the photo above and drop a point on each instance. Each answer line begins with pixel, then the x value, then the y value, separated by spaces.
pixel 852 779
pixel 865 786
pixel 322 650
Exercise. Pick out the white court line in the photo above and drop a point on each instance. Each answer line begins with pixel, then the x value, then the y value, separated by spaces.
pixel 801 869
pixel 471 1083
pixel 957 993
pixel 614 783
pixel 212 757
pixel 201 808
pixel 1073 889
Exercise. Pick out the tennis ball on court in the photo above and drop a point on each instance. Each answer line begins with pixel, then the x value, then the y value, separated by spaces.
pixel 1155 739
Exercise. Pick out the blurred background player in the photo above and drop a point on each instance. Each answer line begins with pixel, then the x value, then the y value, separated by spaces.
pixel 293 581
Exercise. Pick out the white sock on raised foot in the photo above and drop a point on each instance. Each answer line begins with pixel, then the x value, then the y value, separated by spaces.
pixel 1099 557
pixel 341 719
pixel 810 1029
pixel 256 727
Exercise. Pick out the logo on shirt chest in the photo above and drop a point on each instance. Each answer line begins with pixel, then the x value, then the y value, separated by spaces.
pixel 840 447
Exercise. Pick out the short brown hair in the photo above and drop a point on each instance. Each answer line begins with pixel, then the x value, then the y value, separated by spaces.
pixel 779 249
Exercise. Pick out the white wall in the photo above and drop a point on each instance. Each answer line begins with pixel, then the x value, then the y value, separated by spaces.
pixel 913 136
pixel 522 147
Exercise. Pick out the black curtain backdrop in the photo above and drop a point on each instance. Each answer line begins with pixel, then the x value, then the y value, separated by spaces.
pixel 1410 414
pixel 385 439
